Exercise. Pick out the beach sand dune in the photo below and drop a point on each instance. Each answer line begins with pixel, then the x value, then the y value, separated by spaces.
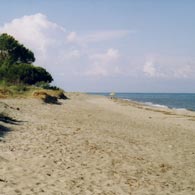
pixel 95 145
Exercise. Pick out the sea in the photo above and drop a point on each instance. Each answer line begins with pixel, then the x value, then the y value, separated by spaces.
pixel 182 101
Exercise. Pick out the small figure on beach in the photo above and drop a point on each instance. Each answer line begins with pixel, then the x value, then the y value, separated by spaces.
pixel 112 95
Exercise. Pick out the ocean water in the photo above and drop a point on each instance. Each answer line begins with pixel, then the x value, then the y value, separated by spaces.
pixel 170 100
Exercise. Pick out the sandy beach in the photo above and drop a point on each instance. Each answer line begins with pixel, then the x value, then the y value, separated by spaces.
pixel 92 145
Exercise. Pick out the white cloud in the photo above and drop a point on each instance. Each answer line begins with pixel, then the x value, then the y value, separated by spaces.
pixel 66 54
pixel 97 36
pixel 184 71
pixel 168 67
pixel 149 68
pixel 110 55
pixel 104 64
pixel 53 45
pixel 72 37
pixel 35 31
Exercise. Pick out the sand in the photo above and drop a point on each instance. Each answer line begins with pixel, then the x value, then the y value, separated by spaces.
pixel 96 145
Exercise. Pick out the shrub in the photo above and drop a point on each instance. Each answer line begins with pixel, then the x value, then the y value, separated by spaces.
pixel 16 63
pixel 24 74
pixel 19 88
pixel 46 85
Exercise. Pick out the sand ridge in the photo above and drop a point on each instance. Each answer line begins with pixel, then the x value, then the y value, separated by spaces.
pixel 95 145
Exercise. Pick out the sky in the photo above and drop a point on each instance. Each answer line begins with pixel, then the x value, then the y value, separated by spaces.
pixel 108 45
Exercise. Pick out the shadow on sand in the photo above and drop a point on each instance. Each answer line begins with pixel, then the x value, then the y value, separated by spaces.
pixel 4 130
pixel 7 120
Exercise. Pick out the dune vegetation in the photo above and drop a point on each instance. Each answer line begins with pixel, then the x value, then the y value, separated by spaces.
pixel 19 77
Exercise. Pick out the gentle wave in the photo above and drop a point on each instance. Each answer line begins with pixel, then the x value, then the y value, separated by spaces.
pixel 155 105
pixel 182 102
pixel 177 101
pixel 181 109
pixel 147 103
pixel 158 105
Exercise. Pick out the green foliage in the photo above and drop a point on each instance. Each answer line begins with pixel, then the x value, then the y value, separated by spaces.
pixel 19 88
pixel 46 85
pixel 3 83
pixel 24 74
pixel 11 51
pixel 53 87
pixel 15 64
pixel 43 85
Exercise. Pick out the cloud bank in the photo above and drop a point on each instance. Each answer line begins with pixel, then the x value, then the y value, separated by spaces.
pixel 166 67
pixel 35 31
pixel 70 54
pixel 53 45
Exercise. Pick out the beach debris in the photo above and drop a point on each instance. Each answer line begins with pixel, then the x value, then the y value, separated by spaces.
pixel 165 167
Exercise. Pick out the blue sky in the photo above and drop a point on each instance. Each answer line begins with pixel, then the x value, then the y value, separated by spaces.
pixel 108 45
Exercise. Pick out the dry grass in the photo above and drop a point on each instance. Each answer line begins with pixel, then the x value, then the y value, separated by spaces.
pixel 2 96
pixel 4 92
pixel 15 91
pixel 46 95
pixel 43 95
pixel 49 96
pixel 39 93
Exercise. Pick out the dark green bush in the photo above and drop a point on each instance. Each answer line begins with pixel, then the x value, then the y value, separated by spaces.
pixel 16 64
pixel 24 74
pixel 46 85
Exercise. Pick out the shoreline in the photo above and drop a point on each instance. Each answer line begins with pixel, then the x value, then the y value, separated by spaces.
pixel 156 106
pixel 95 145
pixel 148 103
pixel 146 106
